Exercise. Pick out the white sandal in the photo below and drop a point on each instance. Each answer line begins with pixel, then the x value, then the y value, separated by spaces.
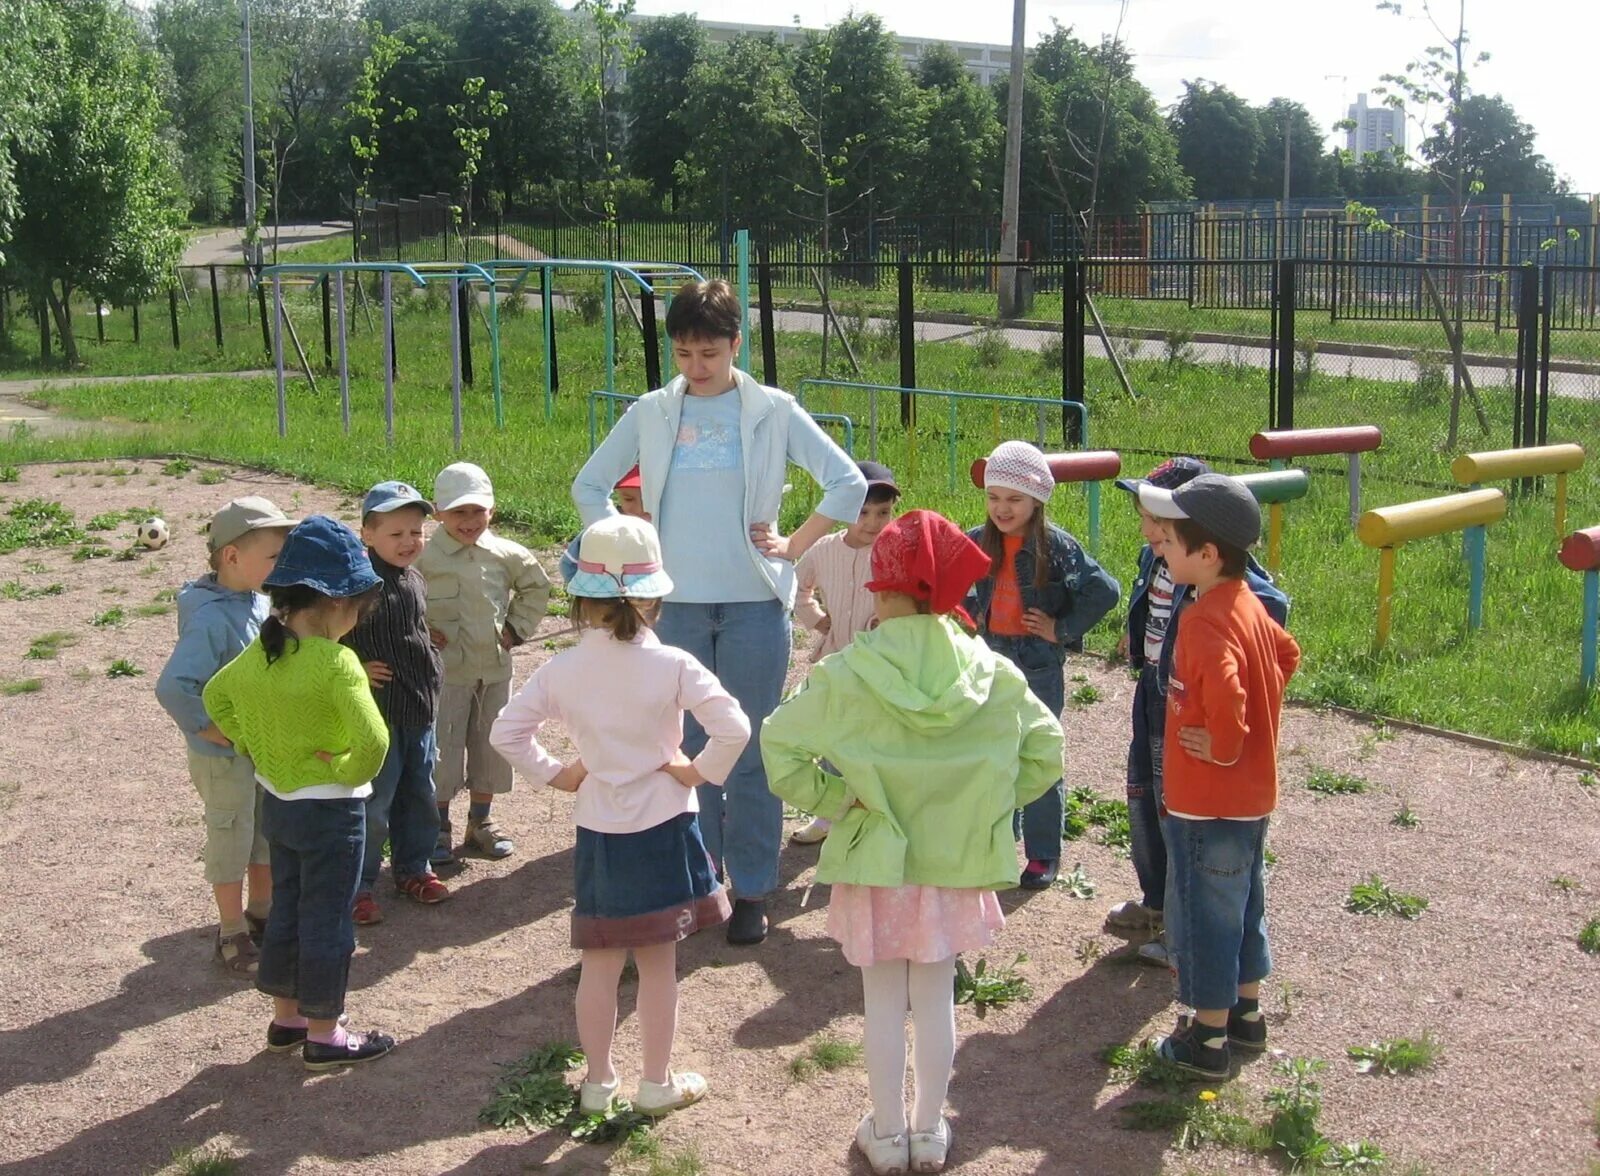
pixel 887 1155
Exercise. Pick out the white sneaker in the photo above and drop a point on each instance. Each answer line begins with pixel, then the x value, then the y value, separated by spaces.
pixel 929 1148
pixel 889 1156
pixel 1133 916
pixel 812 833
pixel 594 1098
pixel 1155 954
pixel 677 1092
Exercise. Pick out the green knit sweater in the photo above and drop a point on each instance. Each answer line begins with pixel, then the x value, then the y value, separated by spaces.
pixel 313 698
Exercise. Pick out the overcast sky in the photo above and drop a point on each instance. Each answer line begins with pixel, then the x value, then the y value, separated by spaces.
pixel 1545 54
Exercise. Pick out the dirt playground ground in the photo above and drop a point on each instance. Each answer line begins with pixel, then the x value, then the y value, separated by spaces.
pixel 121 1042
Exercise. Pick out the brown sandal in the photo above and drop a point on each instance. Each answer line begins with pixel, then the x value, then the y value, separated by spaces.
pixel 237 954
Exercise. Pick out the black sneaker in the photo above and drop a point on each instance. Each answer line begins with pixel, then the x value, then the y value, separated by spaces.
pixel 1247 1028
pixel 1197 1048
pixel 1038 874
pixel 283 1038
pixel 748 926
pixel 358 1047
pixel 258 928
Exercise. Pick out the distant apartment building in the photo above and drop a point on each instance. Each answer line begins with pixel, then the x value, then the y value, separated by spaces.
pixel 984 62
pixel 1377 128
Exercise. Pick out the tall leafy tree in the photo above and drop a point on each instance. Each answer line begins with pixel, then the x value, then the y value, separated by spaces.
pixel 658 89
pixel 742 148
pixel 1219 140
pixel 199 41
pixel 25 27
pixel 1308 164
pixel 99 190
pixel 956 155
pixel 1494 147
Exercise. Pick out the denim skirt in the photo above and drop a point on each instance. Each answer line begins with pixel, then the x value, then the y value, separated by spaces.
pixel 641 889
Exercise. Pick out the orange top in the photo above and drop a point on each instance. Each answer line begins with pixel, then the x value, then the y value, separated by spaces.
pixel 1005 607
pixel 1229 668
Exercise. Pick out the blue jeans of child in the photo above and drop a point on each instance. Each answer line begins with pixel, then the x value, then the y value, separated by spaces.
pixel 316 848
pixel 1144 789
pixel 1039 824
pixel 401 808
pixel 1216 914
pixel 746 644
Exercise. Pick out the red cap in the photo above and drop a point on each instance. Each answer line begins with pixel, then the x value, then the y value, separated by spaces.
pixel 630 480
pixel 926 556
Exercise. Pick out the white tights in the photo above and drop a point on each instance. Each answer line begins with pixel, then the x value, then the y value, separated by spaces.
pixel 929 991
pixel 657 1007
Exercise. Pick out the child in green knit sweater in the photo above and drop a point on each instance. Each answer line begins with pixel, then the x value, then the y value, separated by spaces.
pixel 298 704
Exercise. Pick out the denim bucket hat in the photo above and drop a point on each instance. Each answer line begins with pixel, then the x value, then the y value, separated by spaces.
pixel 620 557
pixel 324 554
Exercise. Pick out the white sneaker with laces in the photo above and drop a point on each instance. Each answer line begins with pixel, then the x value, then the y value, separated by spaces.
pixel 929 1148
pixel 677 1092
pixel 887 1155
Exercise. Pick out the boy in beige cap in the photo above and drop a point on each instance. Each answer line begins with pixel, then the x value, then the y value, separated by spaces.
pixel 218 615
pixel 486 595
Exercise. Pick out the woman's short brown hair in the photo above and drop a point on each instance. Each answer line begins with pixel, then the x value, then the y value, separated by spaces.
pixel 623 619
pixel 704 310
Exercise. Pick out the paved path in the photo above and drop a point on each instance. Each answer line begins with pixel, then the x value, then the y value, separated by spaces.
pixel 227 245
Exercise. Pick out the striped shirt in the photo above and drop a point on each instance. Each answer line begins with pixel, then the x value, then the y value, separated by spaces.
pixel 839 573
pixel 395 632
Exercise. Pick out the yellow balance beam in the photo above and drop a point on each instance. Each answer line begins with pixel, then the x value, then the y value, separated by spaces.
pixel 1388 526
pixel 1469 468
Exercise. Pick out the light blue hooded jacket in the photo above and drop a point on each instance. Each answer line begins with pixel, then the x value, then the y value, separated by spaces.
pixel 214 626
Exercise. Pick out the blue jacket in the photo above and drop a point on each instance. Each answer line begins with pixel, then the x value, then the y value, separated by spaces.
pixel 1260 581
pixel 214 626
pixel 1077 593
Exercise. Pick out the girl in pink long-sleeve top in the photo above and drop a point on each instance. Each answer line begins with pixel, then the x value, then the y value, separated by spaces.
pixel 643 877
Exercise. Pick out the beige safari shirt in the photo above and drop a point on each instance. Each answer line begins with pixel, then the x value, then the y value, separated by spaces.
pixel 475 592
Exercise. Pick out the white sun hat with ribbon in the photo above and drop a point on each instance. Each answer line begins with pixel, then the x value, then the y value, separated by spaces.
pixel 620 556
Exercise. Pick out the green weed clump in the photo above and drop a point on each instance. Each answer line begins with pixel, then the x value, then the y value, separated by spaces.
pixel 37 522
pixel 824 1055
pixel 1330 783
pixel 534 1094
pixel 1400 1055
pixel 1376 897
pixel 986 989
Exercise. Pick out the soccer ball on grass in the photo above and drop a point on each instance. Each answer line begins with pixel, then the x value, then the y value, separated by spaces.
pixel 153 533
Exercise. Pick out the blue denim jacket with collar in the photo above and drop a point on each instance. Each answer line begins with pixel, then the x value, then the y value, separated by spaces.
pixel 1269 594
pixel 1077 591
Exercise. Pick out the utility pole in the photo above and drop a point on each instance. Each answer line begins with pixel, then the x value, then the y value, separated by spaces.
pixel 252 251
pixel 1011 195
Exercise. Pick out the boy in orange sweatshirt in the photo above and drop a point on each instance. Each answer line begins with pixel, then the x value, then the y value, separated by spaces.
pixel 1220 781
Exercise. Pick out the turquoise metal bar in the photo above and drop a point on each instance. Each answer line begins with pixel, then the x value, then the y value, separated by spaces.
pixel 1475 539
pixel 1591 626
pixel 611 332
pixel 546 305
pixel 741 243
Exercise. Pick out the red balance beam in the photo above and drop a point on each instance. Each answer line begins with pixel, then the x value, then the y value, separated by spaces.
pixel 1089 465
pixel 1286 444
pixel 1580 550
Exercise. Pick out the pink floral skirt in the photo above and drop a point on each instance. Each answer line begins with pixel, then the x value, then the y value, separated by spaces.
pixel 923 924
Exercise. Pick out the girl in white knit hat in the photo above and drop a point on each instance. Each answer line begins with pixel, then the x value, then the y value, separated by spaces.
pixel 1043 594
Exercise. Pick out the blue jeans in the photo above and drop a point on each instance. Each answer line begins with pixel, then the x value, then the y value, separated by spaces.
pixel 1216 915
pixel 746 644
pixel 1144 789
pixel 401 808
pixel 316 848
pixel 1039 824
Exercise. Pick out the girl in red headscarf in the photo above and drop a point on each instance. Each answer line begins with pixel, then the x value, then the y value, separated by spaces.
pixel 937 740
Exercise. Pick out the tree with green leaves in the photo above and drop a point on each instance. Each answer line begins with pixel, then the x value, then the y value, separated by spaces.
pixel 1493 146
pixel 956 153
pixel 98 189
pixel 1309 173
pixel 477 109
pixel 25 28
pixel 606 51
pixel 658 89
pixel 199 42
pixel 372 109
pixel 742 148
pixel 1219 140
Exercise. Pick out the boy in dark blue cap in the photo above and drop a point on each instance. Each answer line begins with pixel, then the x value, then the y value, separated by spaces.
pixel 1153 607
pixel 405 671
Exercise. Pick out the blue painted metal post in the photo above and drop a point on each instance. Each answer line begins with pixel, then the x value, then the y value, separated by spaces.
pixel 1591 625
pixel 666 339
pixel 741 241
pixel 388 357
pixel 1475 538
pixel 344 358
pixel 549 325
pixel 611 332
pixel 494 352
pixel 455 361
pixel 1094 518
pixel 277 354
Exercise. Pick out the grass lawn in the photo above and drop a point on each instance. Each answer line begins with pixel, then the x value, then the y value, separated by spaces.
pixel 1515 679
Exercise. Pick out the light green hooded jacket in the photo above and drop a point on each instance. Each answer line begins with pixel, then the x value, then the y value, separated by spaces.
pixel 937 737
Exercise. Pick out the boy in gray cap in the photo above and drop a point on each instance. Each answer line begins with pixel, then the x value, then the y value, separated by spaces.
pixel 218 615
pixel 1220 775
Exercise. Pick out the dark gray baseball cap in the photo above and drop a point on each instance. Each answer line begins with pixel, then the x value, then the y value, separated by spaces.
pixel 1222 505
